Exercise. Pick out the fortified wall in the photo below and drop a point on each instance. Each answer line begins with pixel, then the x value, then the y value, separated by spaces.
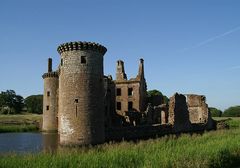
pixel 87 107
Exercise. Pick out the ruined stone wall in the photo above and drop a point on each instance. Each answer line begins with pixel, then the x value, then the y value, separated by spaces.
pixel 178 113
pixel 164 113
pixel 50 102
pixel 81 93
pixel 130 94
pixel 198 109
pixel 124 98
pixel 111 118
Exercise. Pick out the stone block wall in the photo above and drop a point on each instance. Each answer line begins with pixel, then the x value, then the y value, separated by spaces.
pixel 178 113
pixel 124 98
pixel 198 109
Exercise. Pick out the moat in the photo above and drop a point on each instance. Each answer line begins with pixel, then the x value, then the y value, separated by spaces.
pixel 28 142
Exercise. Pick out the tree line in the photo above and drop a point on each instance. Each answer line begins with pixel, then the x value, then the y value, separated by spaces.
pixel 233 111
pixel 12 103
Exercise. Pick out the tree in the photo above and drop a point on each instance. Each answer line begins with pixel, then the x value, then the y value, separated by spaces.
pixel 18 103
pixel 155 97
pixel 232 112
pixel 10 102
pixel 215 112
pixel 34 104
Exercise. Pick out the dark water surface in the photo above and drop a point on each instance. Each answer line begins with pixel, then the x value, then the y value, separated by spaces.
pixel 28 142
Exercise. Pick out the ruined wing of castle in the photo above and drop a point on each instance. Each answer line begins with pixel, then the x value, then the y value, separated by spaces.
pixel 86 107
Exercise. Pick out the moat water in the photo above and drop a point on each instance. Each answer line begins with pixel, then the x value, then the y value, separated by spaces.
pixel 28 142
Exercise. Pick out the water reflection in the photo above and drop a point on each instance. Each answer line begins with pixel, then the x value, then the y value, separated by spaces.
pixel 28 142
pixel 50 142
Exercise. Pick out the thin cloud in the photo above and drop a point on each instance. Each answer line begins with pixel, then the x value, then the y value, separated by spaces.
pixel 212 39
pixel 235 67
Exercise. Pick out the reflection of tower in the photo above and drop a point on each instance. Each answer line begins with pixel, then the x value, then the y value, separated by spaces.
pixel 50 142
pixel 81 93
pixel 50 99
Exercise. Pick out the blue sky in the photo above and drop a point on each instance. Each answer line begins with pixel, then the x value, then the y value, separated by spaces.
pixel 188 46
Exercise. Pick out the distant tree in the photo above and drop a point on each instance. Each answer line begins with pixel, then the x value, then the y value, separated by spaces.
pixel 10 102
pixel 18 103
pixel 215 112
pixel 232 112
pixel 34 104
pixel 156 97
pixel 154 93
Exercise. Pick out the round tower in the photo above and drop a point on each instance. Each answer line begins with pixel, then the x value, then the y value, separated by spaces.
pixel 81 93
pixel 50 100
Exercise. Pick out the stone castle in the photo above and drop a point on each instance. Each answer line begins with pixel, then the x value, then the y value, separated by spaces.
pixel 87 107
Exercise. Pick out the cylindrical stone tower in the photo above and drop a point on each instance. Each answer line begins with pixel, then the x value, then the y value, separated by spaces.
pixel 50 100
pixel 81 93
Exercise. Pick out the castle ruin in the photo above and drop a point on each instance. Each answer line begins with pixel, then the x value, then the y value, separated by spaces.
pixel 87 107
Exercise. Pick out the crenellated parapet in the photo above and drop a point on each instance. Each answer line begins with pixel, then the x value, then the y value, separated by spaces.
pixel 50 75
pixel 78 45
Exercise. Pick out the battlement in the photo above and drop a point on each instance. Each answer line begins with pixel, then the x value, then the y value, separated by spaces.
pixel 78 45
pixel 50 75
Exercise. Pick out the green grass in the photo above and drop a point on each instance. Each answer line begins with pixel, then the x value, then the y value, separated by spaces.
pixel 20 123
pixel 212 149
pixel 18 128
pixel 21 118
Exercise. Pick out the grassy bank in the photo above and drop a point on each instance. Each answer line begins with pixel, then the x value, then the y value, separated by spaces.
pixel 212 149
pixel 20 123
pixel 18 128
pixel 233 122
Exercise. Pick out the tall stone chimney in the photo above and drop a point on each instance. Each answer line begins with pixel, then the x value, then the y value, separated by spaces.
pixel 49 64
pixel 141 70
pixel 120 74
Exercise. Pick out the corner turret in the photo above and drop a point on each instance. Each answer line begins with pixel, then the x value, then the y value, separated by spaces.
pixel 50 100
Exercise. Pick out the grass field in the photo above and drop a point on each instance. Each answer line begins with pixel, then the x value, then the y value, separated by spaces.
pixel 20 123
pixel 212 149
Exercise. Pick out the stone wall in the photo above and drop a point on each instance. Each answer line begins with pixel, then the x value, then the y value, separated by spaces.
pixel 164 113
pixel 198 109
pixel 178 113
pixel 124 98
pixel 130 94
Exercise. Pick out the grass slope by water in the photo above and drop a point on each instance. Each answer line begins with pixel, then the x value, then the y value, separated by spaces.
pixel 211 149
pixel 19 123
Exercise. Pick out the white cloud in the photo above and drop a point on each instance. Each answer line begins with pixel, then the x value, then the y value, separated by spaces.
pixel 211 39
